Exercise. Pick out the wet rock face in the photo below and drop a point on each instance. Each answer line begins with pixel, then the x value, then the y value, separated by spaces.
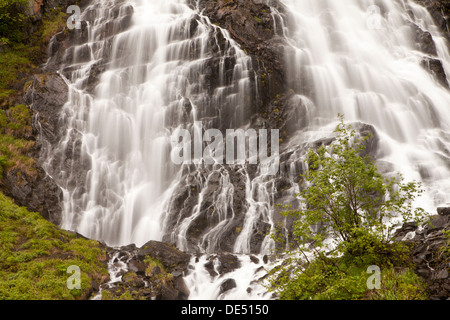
pixel 425 44
pixel 33 187
pixel 252 26
pixel 46 96
pixel 64 48
pixel 440 11
pixel 37 192
pixel 431 252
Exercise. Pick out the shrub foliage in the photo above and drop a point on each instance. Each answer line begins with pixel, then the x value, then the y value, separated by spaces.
pixel 346 209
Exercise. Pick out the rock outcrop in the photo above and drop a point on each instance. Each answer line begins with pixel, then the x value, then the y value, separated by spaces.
pixel 430 252
pixel 152 272
pixel 440 11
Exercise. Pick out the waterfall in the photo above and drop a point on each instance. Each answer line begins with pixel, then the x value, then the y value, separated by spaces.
pixel 360 59
pixel 154 81
pixel 149 68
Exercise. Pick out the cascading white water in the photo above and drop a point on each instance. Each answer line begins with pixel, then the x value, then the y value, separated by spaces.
pixel 155 69
pixel 155 81
pixel 367 67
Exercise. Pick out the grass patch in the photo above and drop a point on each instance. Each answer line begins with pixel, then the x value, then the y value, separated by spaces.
pixel 13 62
pixel 35 256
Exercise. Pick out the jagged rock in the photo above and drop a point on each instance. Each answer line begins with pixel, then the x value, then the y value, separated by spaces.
pixel 167 293
pixel 183 290
pixel 209 266
pixel 137 266
pixel 440 11
pixel 169 256
pixel 438 221
pixel 38 192
pixel 428 254
pixel 221 264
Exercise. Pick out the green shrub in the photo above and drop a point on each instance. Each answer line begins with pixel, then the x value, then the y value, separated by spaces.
pixel 345 199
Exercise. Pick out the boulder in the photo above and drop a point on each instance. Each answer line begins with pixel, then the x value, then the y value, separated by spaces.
pixel 136 266
pixel 167 254
pixel 443 211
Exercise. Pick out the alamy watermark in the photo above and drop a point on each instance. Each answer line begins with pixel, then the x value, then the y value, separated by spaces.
pixel 74 21
pixel 239 147
pixel 374 281
pixel 74 281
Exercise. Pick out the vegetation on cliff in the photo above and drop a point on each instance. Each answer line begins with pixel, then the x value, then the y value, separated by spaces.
pixel 35 255
pixel 23 43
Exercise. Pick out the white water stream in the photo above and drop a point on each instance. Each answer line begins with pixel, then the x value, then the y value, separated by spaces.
pixel 156 80
pixel 367 67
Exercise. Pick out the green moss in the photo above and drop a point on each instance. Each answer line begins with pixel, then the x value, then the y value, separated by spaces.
pixel 13 63
pixel 19 121
pixel 163 275
pixel 120 294
pixel 52 24
pixel 126 296
pixel 35 256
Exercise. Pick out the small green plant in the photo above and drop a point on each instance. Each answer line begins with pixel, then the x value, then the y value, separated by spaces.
pixel 258 19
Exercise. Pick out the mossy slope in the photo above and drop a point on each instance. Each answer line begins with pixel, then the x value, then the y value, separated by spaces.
pixel 35 256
